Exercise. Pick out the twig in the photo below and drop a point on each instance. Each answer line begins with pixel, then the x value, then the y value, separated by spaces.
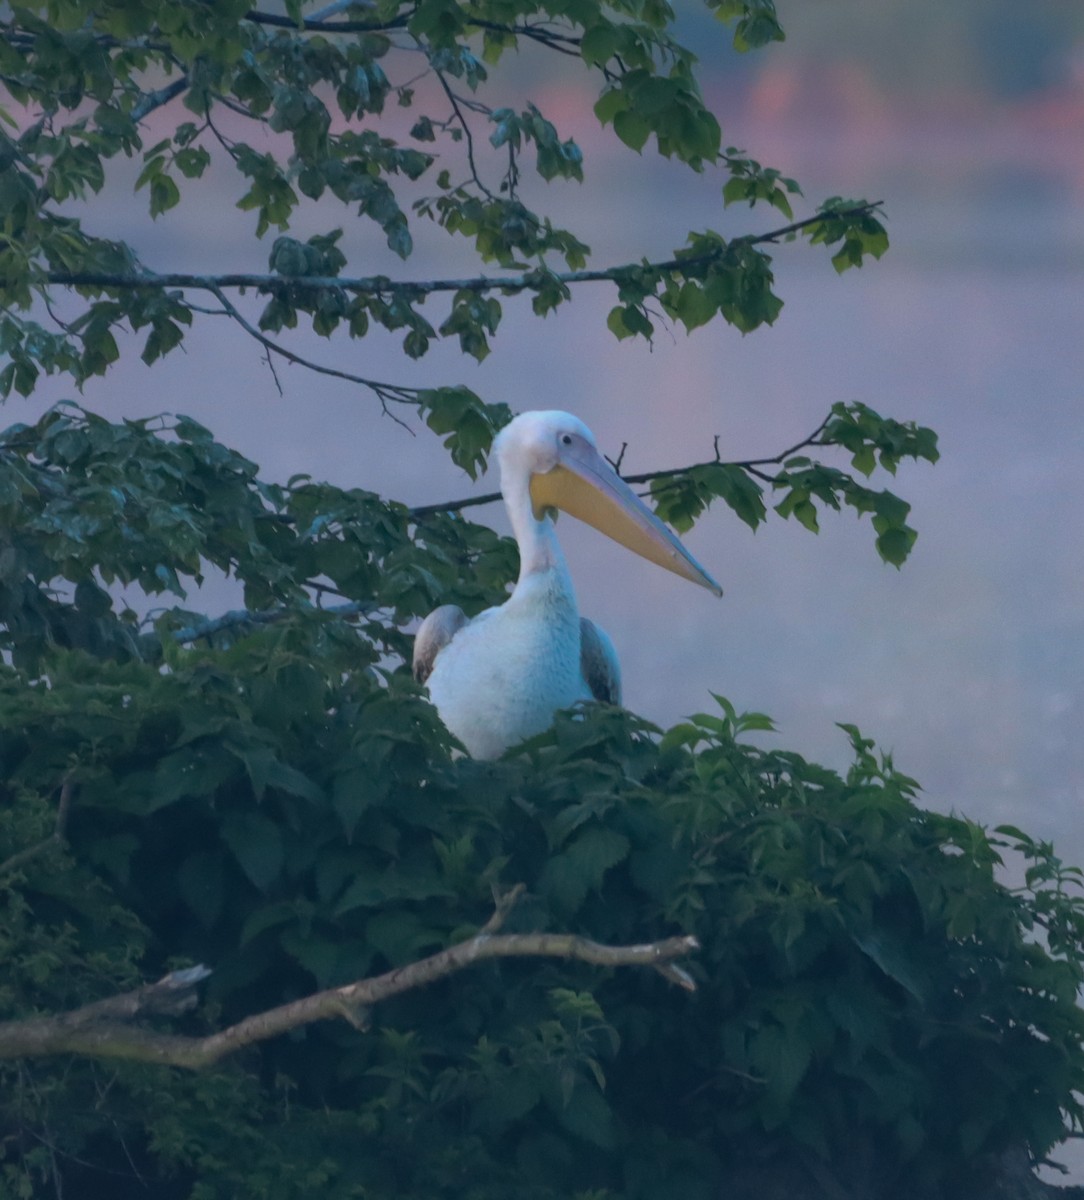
pixel 467 134
pixel 503 903
pixel 562 43
pixel 56 838
pixel 385 392
pixel 85 1032
pixel 616 462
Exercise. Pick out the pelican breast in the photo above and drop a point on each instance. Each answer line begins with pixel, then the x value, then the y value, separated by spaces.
pixel 499 678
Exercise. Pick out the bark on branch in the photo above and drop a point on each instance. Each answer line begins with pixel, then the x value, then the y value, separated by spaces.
pixel 381 285
pixel 101 1030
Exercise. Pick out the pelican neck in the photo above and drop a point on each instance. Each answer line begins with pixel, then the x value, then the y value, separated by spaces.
pixel 539 550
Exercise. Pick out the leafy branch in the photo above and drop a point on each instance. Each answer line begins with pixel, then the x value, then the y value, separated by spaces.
pixel 387 393
pixel 322 25
pixel 380 285
pixel 681 494
pixel 710 276
pixel 102 1030
pixel 746 464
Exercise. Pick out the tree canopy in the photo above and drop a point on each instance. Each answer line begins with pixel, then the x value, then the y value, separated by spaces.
pixel 220 832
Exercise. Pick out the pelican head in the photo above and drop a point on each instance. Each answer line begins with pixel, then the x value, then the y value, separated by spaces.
pixel 556 454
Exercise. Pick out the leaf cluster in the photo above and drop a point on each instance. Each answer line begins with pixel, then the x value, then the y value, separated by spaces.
pixel 97 517
pixel 270 794
pixel 289 108
pixel 871 440
pixel 867 990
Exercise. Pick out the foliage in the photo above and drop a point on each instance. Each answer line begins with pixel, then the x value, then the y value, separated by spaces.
pixel 858 954
pixel 268 792
pixel 83 77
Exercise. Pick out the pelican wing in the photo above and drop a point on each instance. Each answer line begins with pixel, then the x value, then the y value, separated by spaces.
pixel 598 663
pixel 434 633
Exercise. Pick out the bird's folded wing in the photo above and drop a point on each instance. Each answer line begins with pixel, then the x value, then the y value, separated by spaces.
pixel 598 663
pixel 434 633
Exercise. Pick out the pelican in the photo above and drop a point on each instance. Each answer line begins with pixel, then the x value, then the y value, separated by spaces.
pixel 500 677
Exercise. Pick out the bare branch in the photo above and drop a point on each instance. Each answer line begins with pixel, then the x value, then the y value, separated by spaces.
pixel 242 617
pixel 319 24
pixel 431 510
pixel 385 392
pixel 99 1030
pixel 461 120
pixel 173 994
pixel 152 100
pixel 56 838
pixel 503 903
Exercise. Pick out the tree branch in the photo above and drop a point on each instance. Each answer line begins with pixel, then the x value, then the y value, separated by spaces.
pixel 746 464
pixel 172 995
pixel 149 101
pixel 464 125
pixel 382 285
pixel 99 1030
pixel 386 393
pixel 319 24
pixel 240 617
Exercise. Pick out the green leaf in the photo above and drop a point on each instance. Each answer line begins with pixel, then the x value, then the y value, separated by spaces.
pixel 587 1115
pixel 271 916
pixel 569 876
pixel 781 1054
pixel 256 844
pixel 400 936
pixel 164 194
pixel 265 769
pixel 632 128
pixel 597 46
pixel 892 957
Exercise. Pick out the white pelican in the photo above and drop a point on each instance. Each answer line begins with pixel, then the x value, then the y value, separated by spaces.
pixel 500 677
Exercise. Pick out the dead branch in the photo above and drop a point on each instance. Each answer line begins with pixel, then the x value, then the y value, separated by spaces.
pixel 100 1030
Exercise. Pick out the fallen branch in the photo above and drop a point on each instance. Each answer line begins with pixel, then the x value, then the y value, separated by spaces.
pixel 100 1030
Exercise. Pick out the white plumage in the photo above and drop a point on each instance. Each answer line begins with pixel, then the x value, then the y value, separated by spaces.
pixel 500 677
